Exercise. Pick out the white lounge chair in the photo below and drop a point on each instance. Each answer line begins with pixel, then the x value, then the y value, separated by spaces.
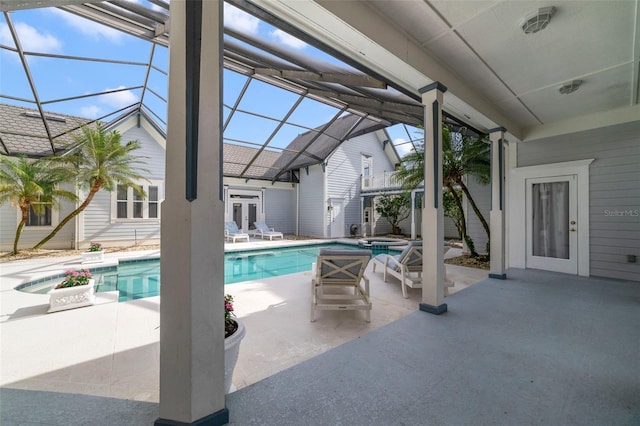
pixel 264 231
pixel 337 281
pixel 232 233
pixel 407 267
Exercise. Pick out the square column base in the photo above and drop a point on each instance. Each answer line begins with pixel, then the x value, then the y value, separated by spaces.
pixel 436 310
pixel 218 418
pixel 498 276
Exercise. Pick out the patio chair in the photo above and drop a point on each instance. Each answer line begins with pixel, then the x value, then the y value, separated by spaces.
pixel 337 281
pixel 407 267
pixel 265 232
pixel 232 233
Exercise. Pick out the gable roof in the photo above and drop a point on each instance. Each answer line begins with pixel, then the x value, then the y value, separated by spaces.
pixel 314 146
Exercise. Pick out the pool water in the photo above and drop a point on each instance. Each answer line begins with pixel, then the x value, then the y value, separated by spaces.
pixel 139 279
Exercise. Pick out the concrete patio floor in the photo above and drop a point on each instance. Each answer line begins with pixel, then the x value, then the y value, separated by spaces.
pixel 536 348
pixel 112 349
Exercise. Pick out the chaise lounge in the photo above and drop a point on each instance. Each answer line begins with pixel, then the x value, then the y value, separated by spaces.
pixel 407 267
pixel 264 231
pixel 337 281
pixel 232 233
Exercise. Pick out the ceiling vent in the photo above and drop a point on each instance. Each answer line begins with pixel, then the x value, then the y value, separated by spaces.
pixel 570 87
pixel 538 20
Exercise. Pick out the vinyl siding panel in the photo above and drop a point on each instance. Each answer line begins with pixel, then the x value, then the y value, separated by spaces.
pixel 482 196
pixel 280 208
pixel 614 186
pixel 312 205
pixel 98 224
pixel 30 236
pixel 344 168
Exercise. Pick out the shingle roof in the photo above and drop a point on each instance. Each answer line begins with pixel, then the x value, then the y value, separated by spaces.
pixel 22 131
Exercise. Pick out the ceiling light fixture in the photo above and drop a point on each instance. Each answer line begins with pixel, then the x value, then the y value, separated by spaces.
pixel 537 20
pixel 570 87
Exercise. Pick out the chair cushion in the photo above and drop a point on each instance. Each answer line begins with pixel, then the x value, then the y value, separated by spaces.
pixel 232 227
pixel 405 252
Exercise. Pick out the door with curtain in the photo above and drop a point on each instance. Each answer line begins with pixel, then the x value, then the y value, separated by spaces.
pixel 552 237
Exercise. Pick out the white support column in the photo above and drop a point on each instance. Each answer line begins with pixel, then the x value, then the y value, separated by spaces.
pixel 413 215
pixel 497 218
pixel 362 224
pixel 433 272
pixel 192 253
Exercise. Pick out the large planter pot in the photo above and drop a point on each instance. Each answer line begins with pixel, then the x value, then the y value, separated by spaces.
pixel 61 299
pixel 92 256
pixel 231 351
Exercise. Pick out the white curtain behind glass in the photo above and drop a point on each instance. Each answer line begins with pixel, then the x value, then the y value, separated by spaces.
pixel 550 219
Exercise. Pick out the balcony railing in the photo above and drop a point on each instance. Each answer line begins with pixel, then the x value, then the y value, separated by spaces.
pixel 388 180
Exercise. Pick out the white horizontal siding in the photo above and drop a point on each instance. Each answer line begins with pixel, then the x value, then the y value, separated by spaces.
pixel 30 236
pixel 280 209
pixel 482 196
pixel 344 169
pixel 614 184
pixel 312 206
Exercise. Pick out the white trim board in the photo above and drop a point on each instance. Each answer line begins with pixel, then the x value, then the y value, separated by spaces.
pixel 517 208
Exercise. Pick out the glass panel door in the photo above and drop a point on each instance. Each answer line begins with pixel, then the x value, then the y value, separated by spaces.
pixel 552 242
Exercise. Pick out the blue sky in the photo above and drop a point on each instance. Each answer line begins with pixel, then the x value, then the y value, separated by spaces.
pixel 53 31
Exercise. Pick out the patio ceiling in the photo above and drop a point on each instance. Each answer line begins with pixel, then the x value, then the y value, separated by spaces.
pixel 496 74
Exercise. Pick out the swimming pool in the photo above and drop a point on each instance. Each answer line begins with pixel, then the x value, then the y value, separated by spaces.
pixel 141 278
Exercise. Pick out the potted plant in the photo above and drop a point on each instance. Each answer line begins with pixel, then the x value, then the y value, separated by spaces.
pixel 94 254
pixel 76 290
pixel 233 334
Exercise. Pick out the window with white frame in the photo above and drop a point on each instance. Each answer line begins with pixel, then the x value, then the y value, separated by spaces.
pixel 129 204
pixel 39 214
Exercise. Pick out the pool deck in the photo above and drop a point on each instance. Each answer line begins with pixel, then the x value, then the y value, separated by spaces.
pixel 112 349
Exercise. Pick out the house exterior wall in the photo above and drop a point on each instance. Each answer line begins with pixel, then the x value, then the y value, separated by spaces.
pixel 31 235
pixel 482 196
pixel 344 169
pixel 97 221
pixel 280 209
pixel 312 203
pixel 614 191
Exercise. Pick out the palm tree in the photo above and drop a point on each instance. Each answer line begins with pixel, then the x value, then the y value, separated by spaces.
pixel 462 155
pixel 32 185
pixel 101 161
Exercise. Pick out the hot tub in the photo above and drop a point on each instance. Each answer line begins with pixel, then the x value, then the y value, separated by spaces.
pixel 381 242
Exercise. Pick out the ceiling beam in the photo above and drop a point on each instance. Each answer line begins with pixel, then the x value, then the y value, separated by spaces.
pixel 11 5
pixel 327 77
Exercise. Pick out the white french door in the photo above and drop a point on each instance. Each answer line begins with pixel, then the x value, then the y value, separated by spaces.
pixel 244 213
pixel 552 223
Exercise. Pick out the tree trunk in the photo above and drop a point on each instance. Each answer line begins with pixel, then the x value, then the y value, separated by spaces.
pixel 463 222
pixel 475 208
pixel 25 215
pixel 70 216
pixel 456 199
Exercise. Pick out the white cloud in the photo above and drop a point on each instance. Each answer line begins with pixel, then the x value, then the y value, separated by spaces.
pixel 30 39
pixel 288 40
pixel 91 111
pixel 119 99
pixel 239 20
pixel 88 27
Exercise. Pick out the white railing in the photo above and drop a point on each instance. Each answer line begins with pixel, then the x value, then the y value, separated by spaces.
pixel 384 181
